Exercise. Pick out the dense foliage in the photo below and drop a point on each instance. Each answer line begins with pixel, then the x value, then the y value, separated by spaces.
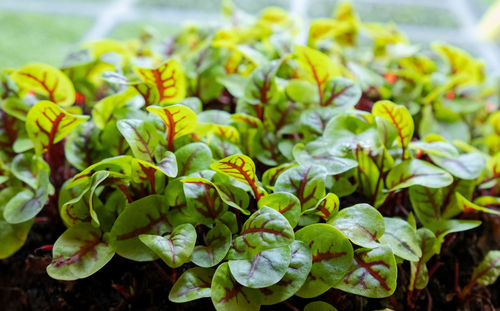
pixel 255 168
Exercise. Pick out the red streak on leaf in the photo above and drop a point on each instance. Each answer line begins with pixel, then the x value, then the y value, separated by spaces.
pixel 149 175
pixel 245 174
pixel 320 256
pixel 162 84
pixel 398 126
pixel 144 229
pixel 334 95
pixel 43 83
pixel 319 81
pixel 89 246
pixel 368 269
pixel 233 293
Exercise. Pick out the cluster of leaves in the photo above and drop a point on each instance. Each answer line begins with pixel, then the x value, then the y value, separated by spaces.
pixel 228 153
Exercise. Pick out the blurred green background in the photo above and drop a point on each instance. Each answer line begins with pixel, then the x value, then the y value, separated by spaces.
pixel 45 30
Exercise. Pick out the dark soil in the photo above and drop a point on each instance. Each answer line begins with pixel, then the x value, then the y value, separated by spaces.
pixel 127 285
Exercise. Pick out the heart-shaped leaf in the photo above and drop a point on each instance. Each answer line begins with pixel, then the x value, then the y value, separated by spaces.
pixel 285 203
pixel 141 136
pixel 218 241
pixel 361 223
pixel 263 269
pixel 47 124
pixel 78 253
pixel 401 238
pixel 179 120
pixel 265 229
pixel 331 253
pixel 168 78
pixel 174 249
pixel 398 116
pixel 307 183
pixel 373 273
pixel 229 295
pixel 488 271
pixel 241 168
pixel 294 278
pixel 193 158
pixel 316 67
pixel 417 172
pixel 47 81
pixel 193 284
pixel 145 216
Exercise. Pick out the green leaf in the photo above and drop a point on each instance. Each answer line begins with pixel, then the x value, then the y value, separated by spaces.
pixel 401 238
pixel 168 164
pixel 98 178
pixel 294 278
pixel 417 172
pixel 331 253
pixel 361 223
pixel 218 241
pixel 319 306
pixel 47 81
pixel 341 93
pixel 419 275
pixel 327 207
pixel 285 203
pixel 16 107
pixel 373 273
pixel 331 164
pixel 141 136
pixel 467 206
pixel 12 236
pixel 119 168
pixel 204 204
pixel 193 158
pixel 26 204
pixel 398 116
pixel 241 168
pixel 193 284
pixel 488 271
pixel 47 124
pixel 313 121
pixel 78 253
pixel 307 183
pixel 346 132
pixel 264 229
pixel 229 295
pixel 145 216
pixel 103 110
pixel 26 167
pixel 464 166
pixel 174 249
pixel 81 144
pixel 262 269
